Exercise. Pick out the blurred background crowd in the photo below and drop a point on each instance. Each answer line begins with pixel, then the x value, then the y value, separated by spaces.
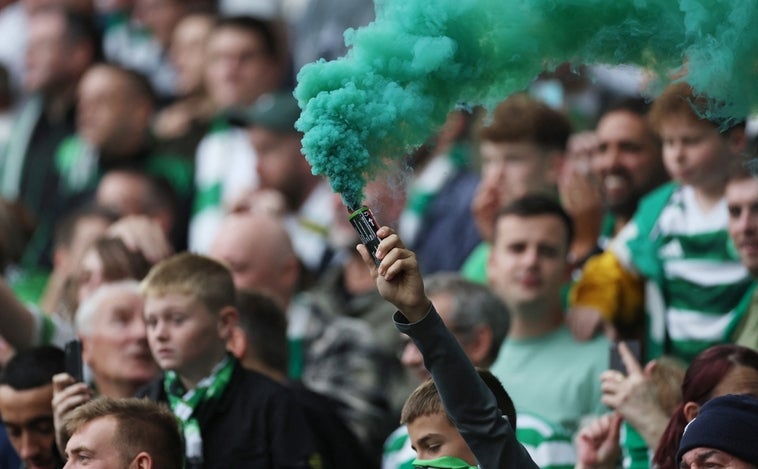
pixel 131 130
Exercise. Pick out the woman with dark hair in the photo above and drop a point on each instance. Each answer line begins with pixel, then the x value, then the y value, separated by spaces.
pixel 716 371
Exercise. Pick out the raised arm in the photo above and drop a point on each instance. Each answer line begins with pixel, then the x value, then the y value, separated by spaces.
pixel 467 399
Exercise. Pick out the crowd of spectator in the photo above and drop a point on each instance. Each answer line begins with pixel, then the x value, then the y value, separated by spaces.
pixel 156 207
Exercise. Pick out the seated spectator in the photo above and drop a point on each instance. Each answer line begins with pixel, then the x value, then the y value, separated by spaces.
pixel 182 124
pixel 116 107
pixel 626 164
pixel 62 45
pixel 123 433
pixel 118 361
pixel 132 191
pixel 26 393
pixel 280 166
pixel 114 345
pixel 347 289
pixel 260 344
pixel 229 416
pixel 141 43
pixel 721 435
pixel 24 325
pixel 244 62
pixel 75 232
pixel 719 370
pixel 106 260
pixel 546 371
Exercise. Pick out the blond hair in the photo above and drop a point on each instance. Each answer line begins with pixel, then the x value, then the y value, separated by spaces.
pixel 200 277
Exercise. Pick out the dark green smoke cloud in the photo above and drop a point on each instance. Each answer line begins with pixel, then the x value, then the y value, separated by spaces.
pixel 405 71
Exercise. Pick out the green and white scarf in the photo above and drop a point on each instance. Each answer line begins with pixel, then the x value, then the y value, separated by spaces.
pixel 184 404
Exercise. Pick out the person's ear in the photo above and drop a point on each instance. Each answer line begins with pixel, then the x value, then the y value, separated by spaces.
pixel 478 348
pixel 690 410
pixel 736 140
pixel 237 343
pixel 556 161
pixel 228 319
pixel 142 461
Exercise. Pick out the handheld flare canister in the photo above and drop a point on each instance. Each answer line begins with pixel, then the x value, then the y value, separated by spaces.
pixel 365 224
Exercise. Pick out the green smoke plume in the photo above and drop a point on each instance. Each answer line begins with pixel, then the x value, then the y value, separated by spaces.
pixel 405 71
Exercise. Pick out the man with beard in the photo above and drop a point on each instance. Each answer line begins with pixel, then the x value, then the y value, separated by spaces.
pixel 627 164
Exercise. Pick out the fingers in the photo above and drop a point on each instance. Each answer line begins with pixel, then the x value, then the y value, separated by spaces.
pixel 397 262
pixel 67 399
pixel 390 251
pixel 367 260
pixel 614 428
pixel 611 384
pixel 62 381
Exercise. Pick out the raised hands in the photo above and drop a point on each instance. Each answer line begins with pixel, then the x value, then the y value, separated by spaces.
pixel 397 277
pixel 635 397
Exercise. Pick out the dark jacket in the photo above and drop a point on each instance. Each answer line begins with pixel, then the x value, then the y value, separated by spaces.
pixel 448 227
pixel 256 424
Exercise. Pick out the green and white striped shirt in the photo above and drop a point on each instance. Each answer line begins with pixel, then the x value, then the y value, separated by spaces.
pixel 695 292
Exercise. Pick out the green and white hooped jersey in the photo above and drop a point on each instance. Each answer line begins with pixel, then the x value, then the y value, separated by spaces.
pixel 549 445
pixel 696 288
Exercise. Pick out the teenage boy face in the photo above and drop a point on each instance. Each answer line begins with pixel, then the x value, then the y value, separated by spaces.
pixel 433 436
pixel 694 152
pixel 184 335
pixel 527 264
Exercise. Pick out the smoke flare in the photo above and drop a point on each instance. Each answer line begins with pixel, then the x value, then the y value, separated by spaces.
pixel 405 71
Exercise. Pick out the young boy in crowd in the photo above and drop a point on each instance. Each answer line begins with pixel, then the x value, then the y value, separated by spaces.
pixel 468 430
pixel 230 417
pixel 677 241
